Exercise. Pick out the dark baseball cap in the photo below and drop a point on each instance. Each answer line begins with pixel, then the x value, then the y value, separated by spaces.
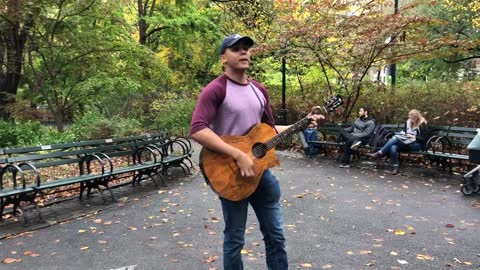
pixel 233 39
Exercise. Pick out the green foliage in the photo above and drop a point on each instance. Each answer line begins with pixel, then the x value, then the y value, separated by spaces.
pixel 8 135
pixel 173 114
pixel 94 125
pixel 435 99
pixel 456 23
pixel 436 69
pixel 307 82
pixel 30 133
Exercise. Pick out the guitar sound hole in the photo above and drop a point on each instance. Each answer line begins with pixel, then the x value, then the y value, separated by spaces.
pixel 259 150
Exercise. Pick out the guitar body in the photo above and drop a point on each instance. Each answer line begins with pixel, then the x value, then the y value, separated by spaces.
pixel 222 173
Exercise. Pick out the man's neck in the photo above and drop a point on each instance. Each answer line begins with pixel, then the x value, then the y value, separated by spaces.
pixel 238 76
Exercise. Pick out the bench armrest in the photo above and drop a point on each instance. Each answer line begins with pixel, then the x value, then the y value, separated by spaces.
pixel 14 168
pixel 185 141
pixel 170 148
pixel 35 170
pixel 158 150
pixel 100 157
pixel 110 163
pixel 137 155
pixel 442 142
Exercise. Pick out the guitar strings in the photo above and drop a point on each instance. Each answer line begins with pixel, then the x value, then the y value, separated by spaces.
pixel 261 149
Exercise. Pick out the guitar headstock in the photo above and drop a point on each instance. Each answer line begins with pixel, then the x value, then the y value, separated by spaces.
pixel 333 103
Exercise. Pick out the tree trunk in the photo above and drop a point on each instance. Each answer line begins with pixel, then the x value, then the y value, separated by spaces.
pixel 12 44
pixel 59 121
pixel 142 24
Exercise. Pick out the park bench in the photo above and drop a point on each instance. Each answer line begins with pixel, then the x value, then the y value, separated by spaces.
pixel 328 136
pixel 448 145
pixel 445 147
pixel 146 155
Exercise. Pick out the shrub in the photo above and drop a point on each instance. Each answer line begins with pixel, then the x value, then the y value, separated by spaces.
pixel 174 117
pixel 8 135
pixel 30 133
pixel 93 125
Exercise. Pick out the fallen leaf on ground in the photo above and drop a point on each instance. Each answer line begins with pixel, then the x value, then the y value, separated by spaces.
pixel 425 257
pixel 476 204
pixel 210 259
pixel 30 253
pixel 10 260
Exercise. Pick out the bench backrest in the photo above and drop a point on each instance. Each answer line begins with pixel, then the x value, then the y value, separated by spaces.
pixel 461 136
pixel 42 157
pixel 434 130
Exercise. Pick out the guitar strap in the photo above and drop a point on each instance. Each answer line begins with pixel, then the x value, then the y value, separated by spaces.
pixel 261 104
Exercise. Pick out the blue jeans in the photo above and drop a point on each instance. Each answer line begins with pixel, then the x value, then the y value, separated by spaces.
pixel 265 202
pixel 311 134
pixel 349 140
pixel 394 147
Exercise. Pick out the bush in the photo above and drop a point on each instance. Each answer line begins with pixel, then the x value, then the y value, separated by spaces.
pixel 30 133
pixel 439 102
pixel 174 117
pixel 93 125
pixel 8 135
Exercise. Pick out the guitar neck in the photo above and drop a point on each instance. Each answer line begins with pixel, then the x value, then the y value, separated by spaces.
pixel 280 137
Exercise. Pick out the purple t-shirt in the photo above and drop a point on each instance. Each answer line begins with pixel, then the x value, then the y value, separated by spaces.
pixel 230 108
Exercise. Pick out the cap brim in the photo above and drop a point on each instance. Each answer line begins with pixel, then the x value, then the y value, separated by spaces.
pixel 249 41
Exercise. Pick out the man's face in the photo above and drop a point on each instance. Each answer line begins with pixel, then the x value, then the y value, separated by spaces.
pixel 237 56
pixel 362 113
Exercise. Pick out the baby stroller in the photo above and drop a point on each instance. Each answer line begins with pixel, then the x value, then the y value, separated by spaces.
pixel 471 180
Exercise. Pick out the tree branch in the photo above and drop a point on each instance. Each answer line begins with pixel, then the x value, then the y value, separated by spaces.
pixel 156 30
pixel 462 59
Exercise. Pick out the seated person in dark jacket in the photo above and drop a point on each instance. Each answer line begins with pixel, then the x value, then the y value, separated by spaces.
pixel 359 133
pixel 416 130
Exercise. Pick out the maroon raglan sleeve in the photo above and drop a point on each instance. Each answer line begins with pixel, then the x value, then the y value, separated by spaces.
pixel 210 98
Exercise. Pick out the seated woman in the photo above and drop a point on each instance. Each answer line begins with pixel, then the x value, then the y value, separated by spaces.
pixel 416 130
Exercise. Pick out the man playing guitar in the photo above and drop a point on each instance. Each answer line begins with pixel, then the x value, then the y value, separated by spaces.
pixel 230 105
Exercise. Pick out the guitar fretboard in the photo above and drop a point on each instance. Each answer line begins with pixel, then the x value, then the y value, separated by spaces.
pixel 282 136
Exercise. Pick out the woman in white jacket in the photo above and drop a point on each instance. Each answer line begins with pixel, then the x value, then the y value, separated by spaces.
pixel 416 130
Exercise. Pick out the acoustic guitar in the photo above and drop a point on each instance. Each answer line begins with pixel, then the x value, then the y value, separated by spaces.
pixel 221 171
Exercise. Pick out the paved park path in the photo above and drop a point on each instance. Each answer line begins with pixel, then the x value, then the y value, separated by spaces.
pixel 359 218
